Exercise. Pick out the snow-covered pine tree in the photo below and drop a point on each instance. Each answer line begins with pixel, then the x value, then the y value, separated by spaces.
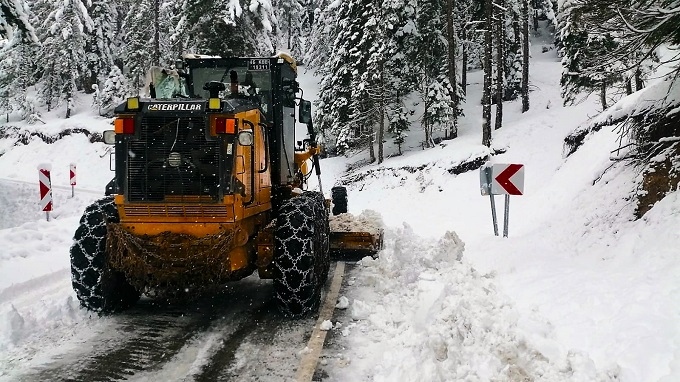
pixel 17 72
pixel 227 27
pixel 13 13
pixel 114 91
pixel 400 72
pixel 63 50
pixel 368 90
pixel 584 55
pixel 100 43
pixel 469 16
pixel 336 97
pixel 512 49
pixel 438 114
pixel 435 89
pixel 290 15
pixel 324 30
pixel 140 50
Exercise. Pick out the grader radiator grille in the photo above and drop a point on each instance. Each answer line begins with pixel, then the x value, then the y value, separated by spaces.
pixel 172 157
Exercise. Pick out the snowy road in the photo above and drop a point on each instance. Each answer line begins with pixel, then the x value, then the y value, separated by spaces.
pixel 236 334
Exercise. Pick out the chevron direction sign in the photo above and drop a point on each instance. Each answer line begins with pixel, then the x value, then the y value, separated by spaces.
pixel 507 179
pixel 502 179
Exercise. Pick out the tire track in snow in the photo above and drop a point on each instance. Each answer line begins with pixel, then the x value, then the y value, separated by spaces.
pixel 146 338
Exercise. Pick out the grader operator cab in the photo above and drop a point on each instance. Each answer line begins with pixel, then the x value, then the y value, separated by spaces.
pixel 208 189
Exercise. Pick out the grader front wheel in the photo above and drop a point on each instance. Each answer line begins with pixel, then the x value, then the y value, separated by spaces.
pixel 301 257
pixel 97 286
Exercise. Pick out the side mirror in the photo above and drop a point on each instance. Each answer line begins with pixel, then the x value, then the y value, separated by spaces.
pixel 109 137
pixel 179 64
pixel 305 112
pixel 245 138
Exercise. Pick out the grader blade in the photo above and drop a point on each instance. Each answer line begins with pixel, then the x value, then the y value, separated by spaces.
pixel 355 245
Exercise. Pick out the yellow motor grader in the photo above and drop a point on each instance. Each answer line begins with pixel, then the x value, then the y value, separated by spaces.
pixel 208 188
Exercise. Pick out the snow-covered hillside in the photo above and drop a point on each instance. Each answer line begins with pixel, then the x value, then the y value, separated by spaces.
pixel 580 291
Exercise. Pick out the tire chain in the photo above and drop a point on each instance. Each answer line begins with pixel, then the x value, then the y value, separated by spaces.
pixel 97 286
pixel 301 260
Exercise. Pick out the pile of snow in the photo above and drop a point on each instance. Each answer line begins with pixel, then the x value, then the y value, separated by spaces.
pixel 368 221
pixel 423 313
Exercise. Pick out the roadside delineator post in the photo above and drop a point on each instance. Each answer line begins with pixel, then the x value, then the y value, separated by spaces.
pixel 501 179
pixel 45 188
pixel 73 179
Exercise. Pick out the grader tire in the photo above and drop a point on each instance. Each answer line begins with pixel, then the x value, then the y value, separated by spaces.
pixel 301 254
pixel 98 287
pixel 339 199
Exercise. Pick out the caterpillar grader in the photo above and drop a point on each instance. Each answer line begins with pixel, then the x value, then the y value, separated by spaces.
pixel 208 188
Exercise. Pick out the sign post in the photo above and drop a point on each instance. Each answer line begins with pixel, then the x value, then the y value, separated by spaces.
pixel 45 188
pixel 486 180
pixel 73 179
pixel 502 179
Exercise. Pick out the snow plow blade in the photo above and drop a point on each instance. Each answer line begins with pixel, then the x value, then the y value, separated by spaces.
pixel 353 246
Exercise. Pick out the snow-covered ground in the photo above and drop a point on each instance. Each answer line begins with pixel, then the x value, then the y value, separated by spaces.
pixel 580 291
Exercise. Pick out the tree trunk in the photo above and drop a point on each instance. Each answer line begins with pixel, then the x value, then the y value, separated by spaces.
pixel 639 83
pixel 603 94
pixel 500 61
pixel 525 56
pixel 290 35
pixel 381 125
pixel 463 68
pixel 517 29
pixel 629 86
pixel 156 54
pixel 535 19
pixel 486 95
pixel 371 142
pixel 451 37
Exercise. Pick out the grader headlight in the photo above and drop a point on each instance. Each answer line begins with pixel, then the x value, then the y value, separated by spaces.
pixel 133 103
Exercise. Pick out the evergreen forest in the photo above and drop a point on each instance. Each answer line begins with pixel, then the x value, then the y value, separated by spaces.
pixel 372 57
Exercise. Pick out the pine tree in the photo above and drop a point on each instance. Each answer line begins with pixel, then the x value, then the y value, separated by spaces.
pixel 486 95
pixel 141 36
pixel 436 91
pixel 14 13
pixel 324 30
pixel 63 52
pixel 100 43
pixel 338 89
pixel 290 15
pixel 400 69
pixel 227 27
pixel 584 50
pixel 114 91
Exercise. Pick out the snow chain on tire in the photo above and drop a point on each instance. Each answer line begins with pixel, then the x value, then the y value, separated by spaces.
pixel 301 258
pixel 97 285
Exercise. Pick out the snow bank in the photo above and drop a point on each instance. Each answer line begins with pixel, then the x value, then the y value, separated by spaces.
pixel 424 314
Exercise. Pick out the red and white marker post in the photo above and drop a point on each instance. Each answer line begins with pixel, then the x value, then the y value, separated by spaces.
pixel 45 188
pixel 73 179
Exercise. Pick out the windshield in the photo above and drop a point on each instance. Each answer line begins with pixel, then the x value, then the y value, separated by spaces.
pixel 251 82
